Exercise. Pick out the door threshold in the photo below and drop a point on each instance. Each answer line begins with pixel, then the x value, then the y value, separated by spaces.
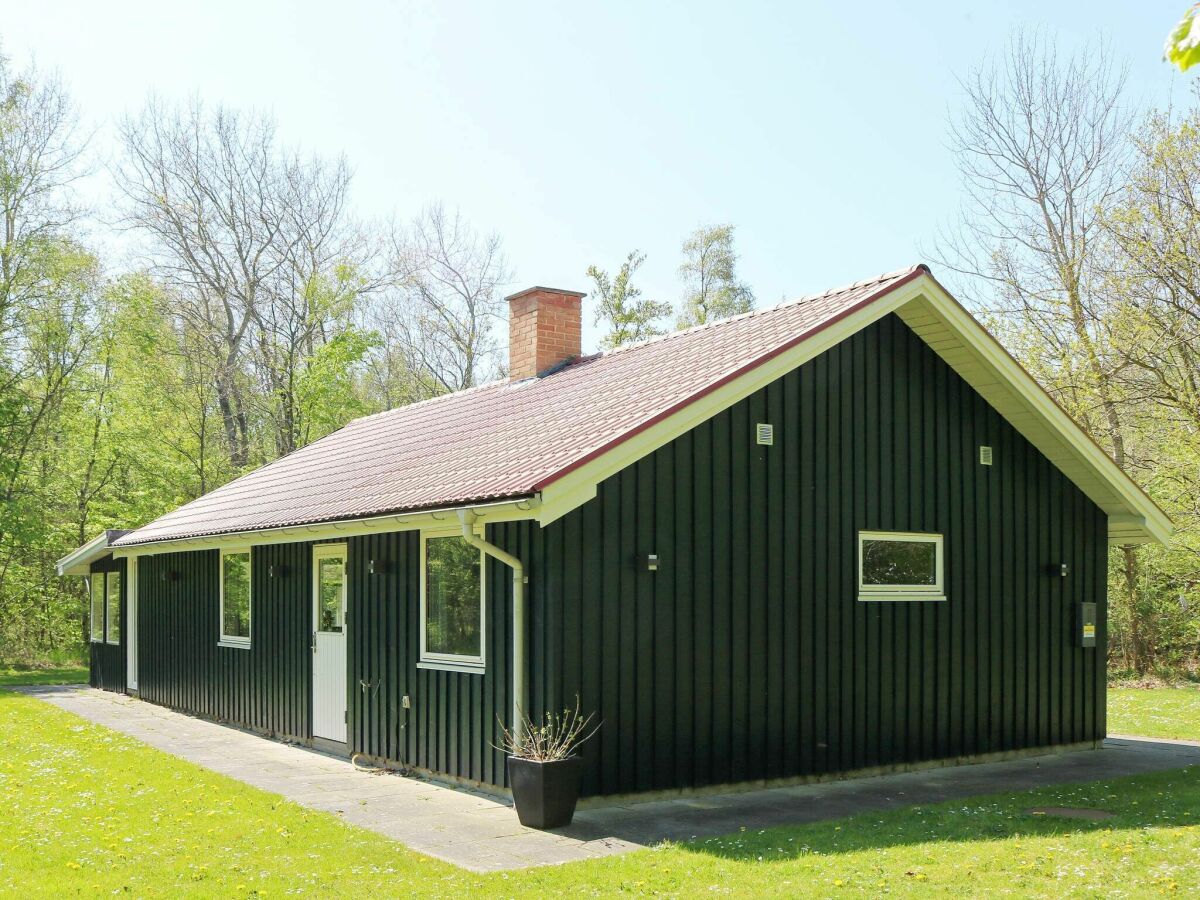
pixel 338 748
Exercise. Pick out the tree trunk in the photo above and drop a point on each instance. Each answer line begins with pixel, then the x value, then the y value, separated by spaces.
pixel 1137 654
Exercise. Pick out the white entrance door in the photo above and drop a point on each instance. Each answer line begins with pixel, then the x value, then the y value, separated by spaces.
pixel 329 641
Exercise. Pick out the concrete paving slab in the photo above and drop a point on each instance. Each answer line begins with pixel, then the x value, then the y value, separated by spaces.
pixel 480 832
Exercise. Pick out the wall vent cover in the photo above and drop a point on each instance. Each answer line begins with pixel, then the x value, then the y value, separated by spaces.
pixel 764 434
pixel 985 455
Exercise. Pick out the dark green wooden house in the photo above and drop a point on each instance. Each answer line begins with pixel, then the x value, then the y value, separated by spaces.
pixel 845 533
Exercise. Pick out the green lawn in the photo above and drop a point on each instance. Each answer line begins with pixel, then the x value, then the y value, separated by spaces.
pixel 88 811
pixel 1155 712
pixel 10 675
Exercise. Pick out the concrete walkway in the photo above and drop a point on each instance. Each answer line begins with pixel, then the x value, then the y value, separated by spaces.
pixel 481 833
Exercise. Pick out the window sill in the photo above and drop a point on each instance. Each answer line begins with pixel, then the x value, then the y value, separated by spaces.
pixel 901 598
pixel 233 644
pixel 446 666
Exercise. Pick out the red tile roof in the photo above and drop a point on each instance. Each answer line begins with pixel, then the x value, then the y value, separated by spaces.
pixel 505 440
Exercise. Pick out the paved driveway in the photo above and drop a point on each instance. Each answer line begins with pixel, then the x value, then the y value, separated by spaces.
pixel 479 832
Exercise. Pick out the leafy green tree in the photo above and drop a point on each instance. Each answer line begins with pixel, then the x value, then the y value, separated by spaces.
pixel 48 294
pixel 1153 331
pixel 712 289
pixel 1183 43
pixel 620 306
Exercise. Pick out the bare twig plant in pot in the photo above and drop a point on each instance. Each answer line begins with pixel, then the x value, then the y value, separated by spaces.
pixel 543 768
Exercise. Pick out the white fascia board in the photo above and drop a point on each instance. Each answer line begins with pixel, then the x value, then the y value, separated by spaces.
pixel 79 561
pixel 578 486
pixel 1136 518
pixel 500 511
pixel 1139 519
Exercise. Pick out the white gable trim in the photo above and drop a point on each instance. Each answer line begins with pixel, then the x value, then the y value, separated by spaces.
pixel 970 350
pixel 983 363
pixel 578 486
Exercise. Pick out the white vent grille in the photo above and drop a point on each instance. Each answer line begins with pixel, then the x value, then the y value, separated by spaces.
pixel 764 434
pixel 985 455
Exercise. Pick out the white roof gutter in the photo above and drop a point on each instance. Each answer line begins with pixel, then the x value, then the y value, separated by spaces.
pixel 497 511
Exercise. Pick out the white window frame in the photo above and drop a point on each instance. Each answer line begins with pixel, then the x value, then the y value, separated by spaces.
pixel 232 640
pixel 448 661
pixel 887 592
pixel 92 638
pixel 107 613
pixel 329 551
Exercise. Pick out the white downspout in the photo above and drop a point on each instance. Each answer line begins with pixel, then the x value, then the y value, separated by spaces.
pixel 520 677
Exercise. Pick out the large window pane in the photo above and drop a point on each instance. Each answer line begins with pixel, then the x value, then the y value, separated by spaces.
pixel 899 562
pixel 114 607
pixel 97 588
pixel 452 598
pixel 235 595
pixel 331 581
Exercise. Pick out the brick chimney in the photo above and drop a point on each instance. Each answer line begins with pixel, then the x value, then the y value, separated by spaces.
pixel 544 329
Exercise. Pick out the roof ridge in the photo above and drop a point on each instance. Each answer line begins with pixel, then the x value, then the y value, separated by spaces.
pixel 807 298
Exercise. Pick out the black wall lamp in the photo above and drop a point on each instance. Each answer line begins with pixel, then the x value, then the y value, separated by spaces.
pixel 1058 570
pixel 168 575
pixel 277 570
pixel 377 566
pixel 650 560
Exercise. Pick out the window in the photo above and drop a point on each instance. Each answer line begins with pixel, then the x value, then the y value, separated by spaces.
pixel 235 598
pixel 894 565
pixel 105 591
pixel 113 629
pixel 330 563
pixel 452 603
pixel 97 589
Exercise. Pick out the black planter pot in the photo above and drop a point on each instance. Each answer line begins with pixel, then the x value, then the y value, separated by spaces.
pixel 544 793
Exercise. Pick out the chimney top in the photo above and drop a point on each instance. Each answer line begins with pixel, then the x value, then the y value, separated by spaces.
pixel 538 289
pixel 545 329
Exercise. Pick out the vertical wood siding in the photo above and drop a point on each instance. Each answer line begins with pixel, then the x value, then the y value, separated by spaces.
pixel 747 654
pixel 267 687
pixel 106 662
pixel 451 724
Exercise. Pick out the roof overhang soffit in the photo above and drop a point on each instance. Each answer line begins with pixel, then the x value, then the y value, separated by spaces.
pixel 79 561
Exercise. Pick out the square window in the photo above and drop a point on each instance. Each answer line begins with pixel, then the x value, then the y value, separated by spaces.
pixel 894 565
pixel 235 597
pixel 452 602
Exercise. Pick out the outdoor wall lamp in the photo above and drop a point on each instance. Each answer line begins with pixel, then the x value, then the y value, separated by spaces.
pixel 377 566
pixel 277 570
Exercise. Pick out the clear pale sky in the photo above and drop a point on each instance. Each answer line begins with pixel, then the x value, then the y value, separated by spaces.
pixel 581 131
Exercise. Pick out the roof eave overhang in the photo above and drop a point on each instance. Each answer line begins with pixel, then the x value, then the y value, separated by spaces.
pixel 488 511
pixel 79 561
pixel 959 340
